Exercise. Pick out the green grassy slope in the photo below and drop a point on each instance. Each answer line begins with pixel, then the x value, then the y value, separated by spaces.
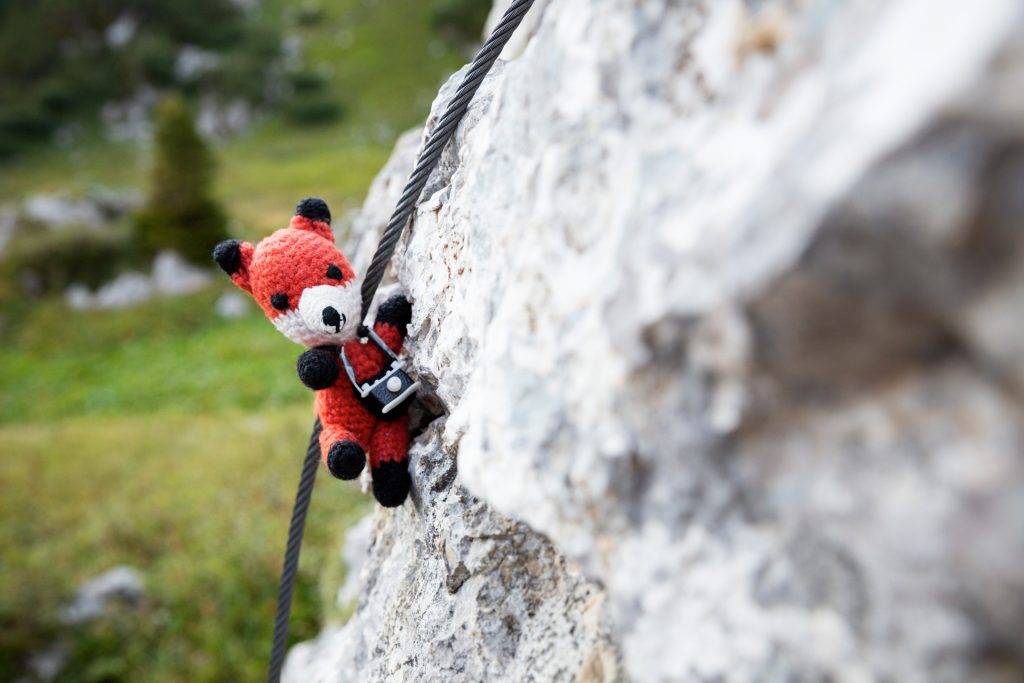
pixel 200 505
pixel 172 355
pixel 167 439
pixel 170 440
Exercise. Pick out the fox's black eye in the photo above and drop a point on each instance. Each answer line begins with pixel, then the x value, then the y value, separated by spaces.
pixel 279 301
pixel 334 272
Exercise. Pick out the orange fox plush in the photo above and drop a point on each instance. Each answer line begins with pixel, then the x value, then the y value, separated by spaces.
pixel 306 287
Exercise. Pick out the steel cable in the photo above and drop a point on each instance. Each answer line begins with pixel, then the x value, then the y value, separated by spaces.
pixel 436 142
pixel 291 554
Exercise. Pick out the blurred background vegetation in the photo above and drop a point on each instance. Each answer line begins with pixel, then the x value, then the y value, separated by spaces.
pixel 147 418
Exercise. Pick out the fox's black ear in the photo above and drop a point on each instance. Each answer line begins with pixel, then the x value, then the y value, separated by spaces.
pixel 228 255
pixel 234 258
pixel 313 208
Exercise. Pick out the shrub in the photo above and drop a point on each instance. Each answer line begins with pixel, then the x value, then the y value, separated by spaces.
pixel 243 71
pixel 310 102
pixel 309 14
pixel 42 261
pixel 28 121
pixel 312 110
pixel 180 212
pixel 57 96
pixel 460 21
pixel 306 82
pixel 156 56
pixel 10 145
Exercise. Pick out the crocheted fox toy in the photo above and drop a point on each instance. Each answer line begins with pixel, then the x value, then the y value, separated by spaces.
pixel 306 287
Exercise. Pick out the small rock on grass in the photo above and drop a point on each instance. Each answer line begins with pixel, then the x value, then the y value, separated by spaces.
pixel 122 584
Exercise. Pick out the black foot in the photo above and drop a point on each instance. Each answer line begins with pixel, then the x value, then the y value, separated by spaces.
pixel 395 311
pixel 318 368
pixel 391 483
pixel 346 459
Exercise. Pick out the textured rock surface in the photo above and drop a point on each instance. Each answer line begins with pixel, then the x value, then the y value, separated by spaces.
pixel 724 299
pixel 452 591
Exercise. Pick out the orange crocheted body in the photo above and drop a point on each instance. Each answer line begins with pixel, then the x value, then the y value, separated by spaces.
pixel 307 288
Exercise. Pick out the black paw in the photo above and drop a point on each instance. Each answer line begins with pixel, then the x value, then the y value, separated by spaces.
pixel 391 483
pixel 228 256
pixel 317 368
pixel 395 311
pixel 346 459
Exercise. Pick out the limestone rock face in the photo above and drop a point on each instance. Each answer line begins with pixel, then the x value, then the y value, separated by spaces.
pixel 722 304
pixel 451 590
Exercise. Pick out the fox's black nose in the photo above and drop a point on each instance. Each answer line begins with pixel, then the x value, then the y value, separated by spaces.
pixel 333 319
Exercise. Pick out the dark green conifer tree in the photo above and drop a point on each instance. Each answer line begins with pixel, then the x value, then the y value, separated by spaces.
pixel 180 212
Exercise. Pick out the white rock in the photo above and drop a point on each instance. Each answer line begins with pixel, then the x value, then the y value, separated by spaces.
pixel 78 297
pixel 47 664
pixel 217 119
pixel 291 50
pixel 121 584
pixel 193 62
pixel 130 119
pixel 231 306
pixel 173 276
pixel 719 297
pixel 60 211
pixel 354 553
pixel 121 31
pixel 127 289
